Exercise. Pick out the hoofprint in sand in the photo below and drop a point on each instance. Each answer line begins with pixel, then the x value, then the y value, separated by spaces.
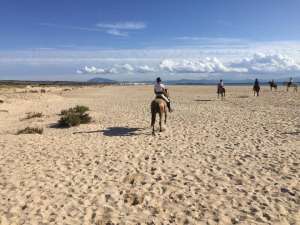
pixel 235 161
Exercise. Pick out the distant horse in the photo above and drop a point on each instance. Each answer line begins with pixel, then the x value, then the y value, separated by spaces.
pixel 256 89
pixel 273 85
pixel 158 105
pixel 291 85
pixel 221 91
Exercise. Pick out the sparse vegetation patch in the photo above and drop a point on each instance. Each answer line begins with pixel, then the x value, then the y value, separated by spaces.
pixel 30 130
pixel 31 115
pixel 74 116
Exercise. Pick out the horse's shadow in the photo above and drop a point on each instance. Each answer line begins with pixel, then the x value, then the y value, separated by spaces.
pixel 203 100
pixel 114 131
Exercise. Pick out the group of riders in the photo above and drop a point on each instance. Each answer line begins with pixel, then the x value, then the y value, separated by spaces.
pixel 161 91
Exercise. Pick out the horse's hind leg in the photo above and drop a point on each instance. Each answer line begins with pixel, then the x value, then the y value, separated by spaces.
pixel 153 118
pixel 160 119
pixel 166 117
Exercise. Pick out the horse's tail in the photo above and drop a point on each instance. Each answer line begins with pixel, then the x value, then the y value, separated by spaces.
pixel 153 113
pixel 153 117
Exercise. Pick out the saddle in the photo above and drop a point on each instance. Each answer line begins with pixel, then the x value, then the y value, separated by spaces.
pixel 159 97
pixel 220 88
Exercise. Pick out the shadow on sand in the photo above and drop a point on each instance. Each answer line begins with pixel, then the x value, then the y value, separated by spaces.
pixel 292 133
pixel 114 131
pixel 56 126
pixel 203 100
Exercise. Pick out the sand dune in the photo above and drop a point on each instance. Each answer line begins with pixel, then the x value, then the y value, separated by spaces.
pixel 235 161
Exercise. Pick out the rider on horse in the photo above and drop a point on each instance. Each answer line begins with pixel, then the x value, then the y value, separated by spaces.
pixel 256 83
pixel 290 81
pixel 221 84
pixel 160 91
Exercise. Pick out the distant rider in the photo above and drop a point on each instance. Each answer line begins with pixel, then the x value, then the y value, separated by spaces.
pixel 256 83
pixel 221 84
pixel 160 91
pixel 290 82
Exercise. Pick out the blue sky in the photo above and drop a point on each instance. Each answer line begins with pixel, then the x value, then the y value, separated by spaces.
pixel 140 39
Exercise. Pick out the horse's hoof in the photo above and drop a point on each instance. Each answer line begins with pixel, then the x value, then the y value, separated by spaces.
pixel 153 134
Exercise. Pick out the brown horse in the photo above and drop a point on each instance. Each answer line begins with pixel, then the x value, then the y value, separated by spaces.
pixel 158 105
pixel 256 89
pixel 221 91
pixel 291 85
pixel 273 85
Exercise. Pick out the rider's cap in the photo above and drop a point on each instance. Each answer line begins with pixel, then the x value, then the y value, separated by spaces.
pixel 158 79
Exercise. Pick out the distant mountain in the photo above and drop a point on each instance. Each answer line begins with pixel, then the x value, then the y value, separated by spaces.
pixel 102 80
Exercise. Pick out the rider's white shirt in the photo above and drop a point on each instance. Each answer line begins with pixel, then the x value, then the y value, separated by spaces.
pixel 159 87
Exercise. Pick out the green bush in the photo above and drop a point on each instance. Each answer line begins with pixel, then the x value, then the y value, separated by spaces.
pixel 81 109
pixel 74 116
pixel 30 130
pixel 77 109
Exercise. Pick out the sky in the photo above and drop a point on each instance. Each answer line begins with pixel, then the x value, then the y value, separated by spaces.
pixel 142 39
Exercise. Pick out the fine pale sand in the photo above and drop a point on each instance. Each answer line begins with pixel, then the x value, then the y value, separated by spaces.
pixel 235 161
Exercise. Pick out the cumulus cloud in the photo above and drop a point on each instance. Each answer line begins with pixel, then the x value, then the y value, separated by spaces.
pixel 95 70
pixel 264 63
pixel 258 63
pixel 124 68
pixel 145 69
pixel 209 65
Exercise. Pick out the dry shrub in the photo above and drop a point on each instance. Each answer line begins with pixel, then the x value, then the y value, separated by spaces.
pixel 74 116
pixel 31 130
pixel 31 115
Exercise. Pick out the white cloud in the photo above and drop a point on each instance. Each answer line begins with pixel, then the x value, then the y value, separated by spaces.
pixel 123 25
pixel 258 63
pixel 95 70
pixel 209 65
pixel 145 69
pixel 220 40
pixel 268 63
pixel 127 67
pixel 277 59
pixel 117 33
pixel 118 29
pixel 124 68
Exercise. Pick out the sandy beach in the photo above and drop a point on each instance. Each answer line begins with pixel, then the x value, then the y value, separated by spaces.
pixel 235 161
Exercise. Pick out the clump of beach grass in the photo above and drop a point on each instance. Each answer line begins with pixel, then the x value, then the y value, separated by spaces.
pixel 30 130
pixel 74 116
pixel 31 115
